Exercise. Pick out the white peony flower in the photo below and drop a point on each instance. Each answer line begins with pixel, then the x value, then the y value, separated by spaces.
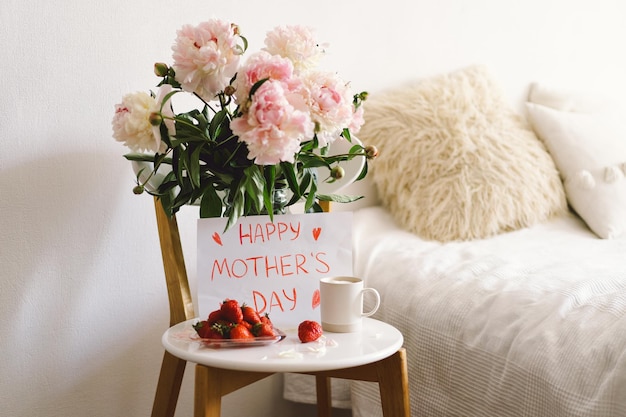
pixel 131 122
pixel 295 43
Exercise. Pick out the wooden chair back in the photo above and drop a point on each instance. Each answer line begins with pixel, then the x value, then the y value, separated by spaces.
pixel 180 301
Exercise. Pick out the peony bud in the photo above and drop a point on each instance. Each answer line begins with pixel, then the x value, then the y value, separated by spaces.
pixel 229 90
pixel 337 172
pixel 155 119
pixel 371 151
pixel 138 189
pixel 161 69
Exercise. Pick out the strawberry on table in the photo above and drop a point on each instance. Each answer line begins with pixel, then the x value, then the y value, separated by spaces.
pixel 266 319
pixel 215 333
pixel 263 330
pixel 215 316
pixel 235 321
pixel 309 331
pixel 207 330
pixel 202 328
pixel 240 332
pixel 231 311
pixel 250 314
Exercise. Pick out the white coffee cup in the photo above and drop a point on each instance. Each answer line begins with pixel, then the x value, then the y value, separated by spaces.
pixel 341 304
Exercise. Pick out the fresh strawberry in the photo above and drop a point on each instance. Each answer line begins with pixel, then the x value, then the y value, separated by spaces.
pixel 250 314
pixel 215 332
pixel 215 316
pixel 240 332
pixel 266 319
pixel 263 330
pixel 231 311
pixel 309 331
pixel 207 330
pixel 203 328
pixel 246 324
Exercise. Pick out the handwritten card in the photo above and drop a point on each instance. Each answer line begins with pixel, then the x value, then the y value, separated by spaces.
pixel 274 267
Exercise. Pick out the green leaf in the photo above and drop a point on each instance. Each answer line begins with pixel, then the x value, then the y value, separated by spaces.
pixel 216 123
pixel 237 208
pixel 314 161
pixel 315 208
pixel 194 166
pixel 184 196
pixel 168 183
pixel 290 176
pixel 269 174
pixel 268 202
pixel 307 146
pixel 346 134
pixel 363 172
pixel 147 158
pixel 256 86
pixel 165 135
pixel 310 199
pixel 254 183
pixel 305 182
pixel 210 204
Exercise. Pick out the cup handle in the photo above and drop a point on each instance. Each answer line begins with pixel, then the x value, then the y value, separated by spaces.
pixel 377 295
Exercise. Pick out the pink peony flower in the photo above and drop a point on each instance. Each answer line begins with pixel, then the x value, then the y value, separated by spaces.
pixel 206 57
pixel 131 123
pixel 259 66
pixel 295 43
pixel 330 101
pixel 273 126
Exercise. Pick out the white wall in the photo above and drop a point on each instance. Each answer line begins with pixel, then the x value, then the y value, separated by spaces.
pixel 82 297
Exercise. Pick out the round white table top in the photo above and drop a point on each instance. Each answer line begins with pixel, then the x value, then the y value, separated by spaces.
pixel 376 341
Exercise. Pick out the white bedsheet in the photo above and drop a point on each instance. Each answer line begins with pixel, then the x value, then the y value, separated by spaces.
pixel 528 323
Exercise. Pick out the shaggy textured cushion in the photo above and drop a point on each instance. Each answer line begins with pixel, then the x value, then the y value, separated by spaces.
pixel 590 152
pixel 456 163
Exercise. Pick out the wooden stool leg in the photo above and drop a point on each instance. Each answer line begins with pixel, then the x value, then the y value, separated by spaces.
pixel 168 387
pixel 393 381
pixel 324 400
pixel 208 393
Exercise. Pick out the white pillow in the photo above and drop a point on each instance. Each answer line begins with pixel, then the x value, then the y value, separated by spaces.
pixel 572 101
pixel 589 150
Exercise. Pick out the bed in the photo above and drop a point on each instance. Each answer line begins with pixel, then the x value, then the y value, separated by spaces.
pixel 499 248
pixel 527 323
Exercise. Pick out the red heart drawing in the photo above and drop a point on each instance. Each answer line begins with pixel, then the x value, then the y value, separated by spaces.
pixel 316 232
pixel 316 299
pixel 217 238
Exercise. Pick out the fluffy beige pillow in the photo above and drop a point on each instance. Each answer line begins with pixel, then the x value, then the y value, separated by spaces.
pixel 456 162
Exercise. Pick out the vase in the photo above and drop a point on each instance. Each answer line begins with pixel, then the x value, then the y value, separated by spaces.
pixel 280 198
pixel 142 170
pixel 352 168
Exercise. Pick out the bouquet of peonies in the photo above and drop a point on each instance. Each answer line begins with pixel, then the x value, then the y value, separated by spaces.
pixel 262 126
